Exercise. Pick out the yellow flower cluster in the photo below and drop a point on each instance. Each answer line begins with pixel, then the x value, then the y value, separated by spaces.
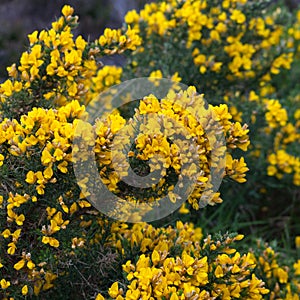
pixel 40 143
pixel 177 263
pixel 35 130
pixel 38 189
pixel 283 280
pixel 210 28
pixel 294 32
pixel 118 42
pixel 158 74
pixel 62 67
pixel 158 22
pixel 107 77
pixel 283 160
pixel 233 50
pixel 42 138
pixel 153 130
pixel 56 71
pixel 275 115
pixel 283 163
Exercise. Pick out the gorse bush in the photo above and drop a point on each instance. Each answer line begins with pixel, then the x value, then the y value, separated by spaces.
pixel 175 265
pixel 54 243
pixel 44 214
pixel 58 68
pixel 244 54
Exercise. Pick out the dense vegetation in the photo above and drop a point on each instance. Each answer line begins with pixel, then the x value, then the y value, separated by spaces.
pixel 242 57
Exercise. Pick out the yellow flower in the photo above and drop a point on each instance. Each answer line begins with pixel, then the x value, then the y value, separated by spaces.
pixel 219 272
pixel 183 209
pixel 297 267
pixel 1 159
pixel 40 189
pixel 24 290
pixel 67 10
pixel 276 115
pixel 4 284
pixel 63 167
pixel 155 257
pixel 174 296
pixel 80 43
pixel 46 157
pixel 253 96
pixel 238 16
pixel 113 291
pixel 30 265
pixel 99 297
pixel 20 264
pixel 16 234
pixel 235 269
pixel 200 59
pixel 33 37
pixel 187 260
pixel 131 17
pixel 175 77
pixel 51 241
pixel 30 177
pixel 73 208
pixel 12 71
pixel 20 219
pixel 58 154
pixel 48 173
pixel 156 74
pixel 7 88
pixel 11 248
pixel 239 237
pixel 236 169
pixel 282 275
